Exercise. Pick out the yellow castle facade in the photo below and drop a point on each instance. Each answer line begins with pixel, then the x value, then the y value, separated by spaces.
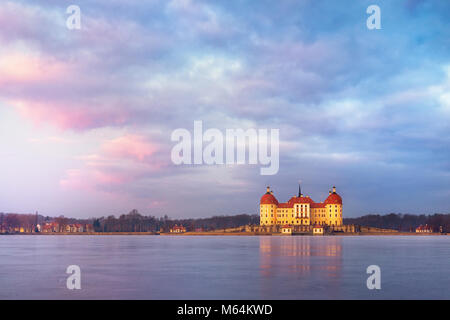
pixel 301 210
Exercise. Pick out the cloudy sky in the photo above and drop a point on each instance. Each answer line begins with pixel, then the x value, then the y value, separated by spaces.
pixel 86 115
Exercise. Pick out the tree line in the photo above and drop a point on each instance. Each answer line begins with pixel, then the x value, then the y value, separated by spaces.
pixel 131 222
pixel 11 221
pixel 135 222
pixel 403 222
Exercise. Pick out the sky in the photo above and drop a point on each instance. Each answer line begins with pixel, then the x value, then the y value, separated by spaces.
pixel 86 115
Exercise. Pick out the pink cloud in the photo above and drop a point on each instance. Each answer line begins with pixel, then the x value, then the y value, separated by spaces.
pixel 120 163
pixel 92 178
pixel 130 146
pixel 70 115
pixel 70 91
pixel 20 69
pixel 44 90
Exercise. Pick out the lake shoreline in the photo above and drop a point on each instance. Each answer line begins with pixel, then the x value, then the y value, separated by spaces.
pixel 222 234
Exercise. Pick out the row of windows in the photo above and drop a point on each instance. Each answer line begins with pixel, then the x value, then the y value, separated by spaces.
pixel 331 216
pixel 321 210
pixel 322 223
pixel 282 215
pixel 307 206
pixel 292 222
pixel 287 210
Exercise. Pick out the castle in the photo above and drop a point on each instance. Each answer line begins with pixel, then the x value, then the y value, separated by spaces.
pixel 301 210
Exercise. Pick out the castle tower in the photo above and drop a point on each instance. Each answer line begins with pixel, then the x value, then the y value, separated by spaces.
pixel 333 209
pixel 268 209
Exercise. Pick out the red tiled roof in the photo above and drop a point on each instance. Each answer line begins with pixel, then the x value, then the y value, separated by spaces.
pixel 268 198
pixel 300 200
pixel 318 205
pixel 333 198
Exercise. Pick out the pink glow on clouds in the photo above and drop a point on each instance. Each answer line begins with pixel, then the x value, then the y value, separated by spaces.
pixel 109 178
pixel 90 178
pixel 120 162
pixel 18 68
pixel 69 115
pixel 47 90
pixel 22 76
pixel 130 146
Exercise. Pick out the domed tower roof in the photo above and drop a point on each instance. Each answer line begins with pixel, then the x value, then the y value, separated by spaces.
pixel 301 199
pixel 268 198
pixel 333 198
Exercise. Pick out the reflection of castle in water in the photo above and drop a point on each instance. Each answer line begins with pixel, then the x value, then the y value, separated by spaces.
pixel 301 256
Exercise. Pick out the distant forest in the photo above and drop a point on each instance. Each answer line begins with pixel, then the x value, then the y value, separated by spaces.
pixel 136 222
pixel 131 222
pixel 402 222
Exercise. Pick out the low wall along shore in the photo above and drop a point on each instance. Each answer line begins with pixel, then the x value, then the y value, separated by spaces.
pixel 250 230
pixel 276 229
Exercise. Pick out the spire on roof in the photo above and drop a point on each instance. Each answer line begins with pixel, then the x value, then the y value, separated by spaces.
pixel 299 189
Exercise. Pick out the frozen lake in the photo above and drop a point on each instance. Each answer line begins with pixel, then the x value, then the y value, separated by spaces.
pixel 224 267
